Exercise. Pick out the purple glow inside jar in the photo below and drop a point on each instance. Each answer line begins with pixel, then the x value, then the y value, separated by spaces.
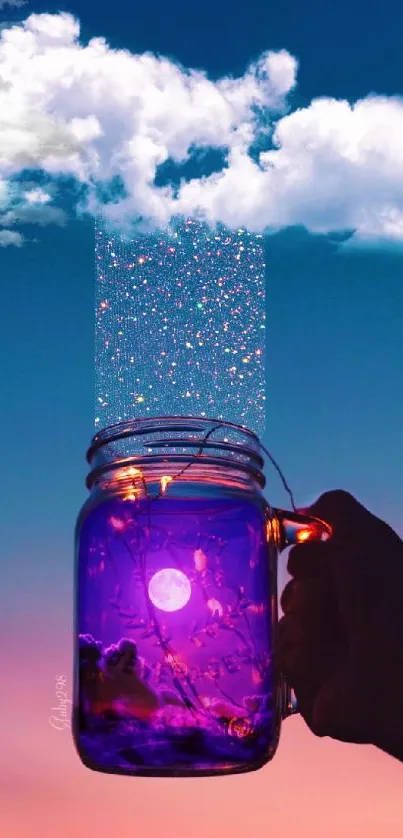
pixel 174 621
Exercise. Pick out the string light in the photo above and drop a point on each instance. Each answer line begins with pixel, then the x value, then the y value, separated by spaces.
pixel 165 480
pixel 223 615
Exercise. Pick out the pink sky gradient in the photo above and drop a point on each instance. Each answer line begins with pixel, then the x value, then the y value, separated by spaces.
pixel 312 789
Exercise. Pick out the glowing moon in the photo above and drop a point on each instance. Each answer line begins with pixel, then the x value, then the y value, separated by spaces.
pixel 169 589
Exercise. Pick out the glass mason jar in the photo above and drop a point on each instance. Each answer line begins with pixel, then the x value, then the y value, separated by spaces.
pixel 176 601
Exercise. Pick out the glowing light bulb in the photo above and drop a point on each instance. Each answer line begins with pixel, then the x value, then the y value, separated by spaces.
pixel 169 589
pixel 304 535
pixel 130 495
pixel 117 524
pixel 240 728
pixel 128 473
pixel 164 482
pixel 200 560
pixel 215 607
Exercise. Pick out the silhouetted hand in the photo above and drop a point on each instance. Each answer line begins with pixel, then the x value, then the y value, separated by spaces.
pixel 341 637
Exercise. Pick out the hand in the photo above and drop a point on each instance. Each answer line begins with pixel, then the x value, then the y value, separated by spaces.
pixel 341 637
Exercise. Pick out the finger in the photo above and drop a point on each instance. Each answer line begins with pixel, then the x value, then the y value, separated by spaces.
pixel 312 597
pixel 289 596
pixel 293 648
pixel 341 711
pixel 307 661
pixel 348 518
pixel 296 630
pixel 307 653
pixel 362 553
pixel 309 559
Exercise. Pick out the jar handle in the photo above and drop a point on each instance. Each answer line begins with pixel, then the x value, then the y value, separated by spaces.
pixel 296 528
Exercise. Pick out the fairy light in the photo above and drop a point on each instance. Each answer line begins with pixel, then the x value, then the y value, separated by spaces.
pixel 273 531
pixel 304 535
pixel 165 480
pixel 128 473
pixel 200 560
pixel 130 494
pixel 256 677
pixel 240 728
pixel 215 607
pixel 117 524
pixel 178 664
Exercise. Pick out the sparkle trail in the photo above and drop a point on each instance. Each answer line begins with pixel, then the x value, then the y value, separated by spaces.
pixel 180 325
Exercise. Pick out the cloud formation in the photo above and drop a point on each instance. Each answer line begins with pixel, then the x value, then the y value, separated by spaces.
pixel 13 4
pixel 97 114
pixel 8 237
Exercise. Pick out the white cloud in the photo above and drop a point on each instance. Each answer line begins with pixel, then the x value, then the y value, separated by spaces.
pixel 335 166
pixel 13 4
pixel 8 237
pixel 37 196
pixel 31 214
pixel 95 113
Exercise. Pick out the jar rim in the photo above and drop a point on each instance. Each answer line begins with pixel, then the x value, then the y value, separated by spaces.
pixel 171 438
pixel 144 425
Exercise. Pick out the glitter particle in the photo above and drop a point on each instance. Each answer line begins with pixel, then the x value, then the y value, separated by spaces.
pixel 186 319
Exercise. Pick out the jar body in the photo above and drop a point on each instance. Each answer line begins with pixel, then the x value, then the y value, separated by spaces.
pixel 176 609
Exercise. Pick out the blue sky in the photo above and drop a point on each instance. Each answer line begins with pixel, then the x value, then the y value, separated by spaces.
pixel 345 50
pixel 334 352
pixel 334 317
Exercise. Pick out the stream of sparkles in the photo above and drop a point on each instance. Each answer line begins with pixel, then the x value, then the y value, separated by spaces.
pixel 180 325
